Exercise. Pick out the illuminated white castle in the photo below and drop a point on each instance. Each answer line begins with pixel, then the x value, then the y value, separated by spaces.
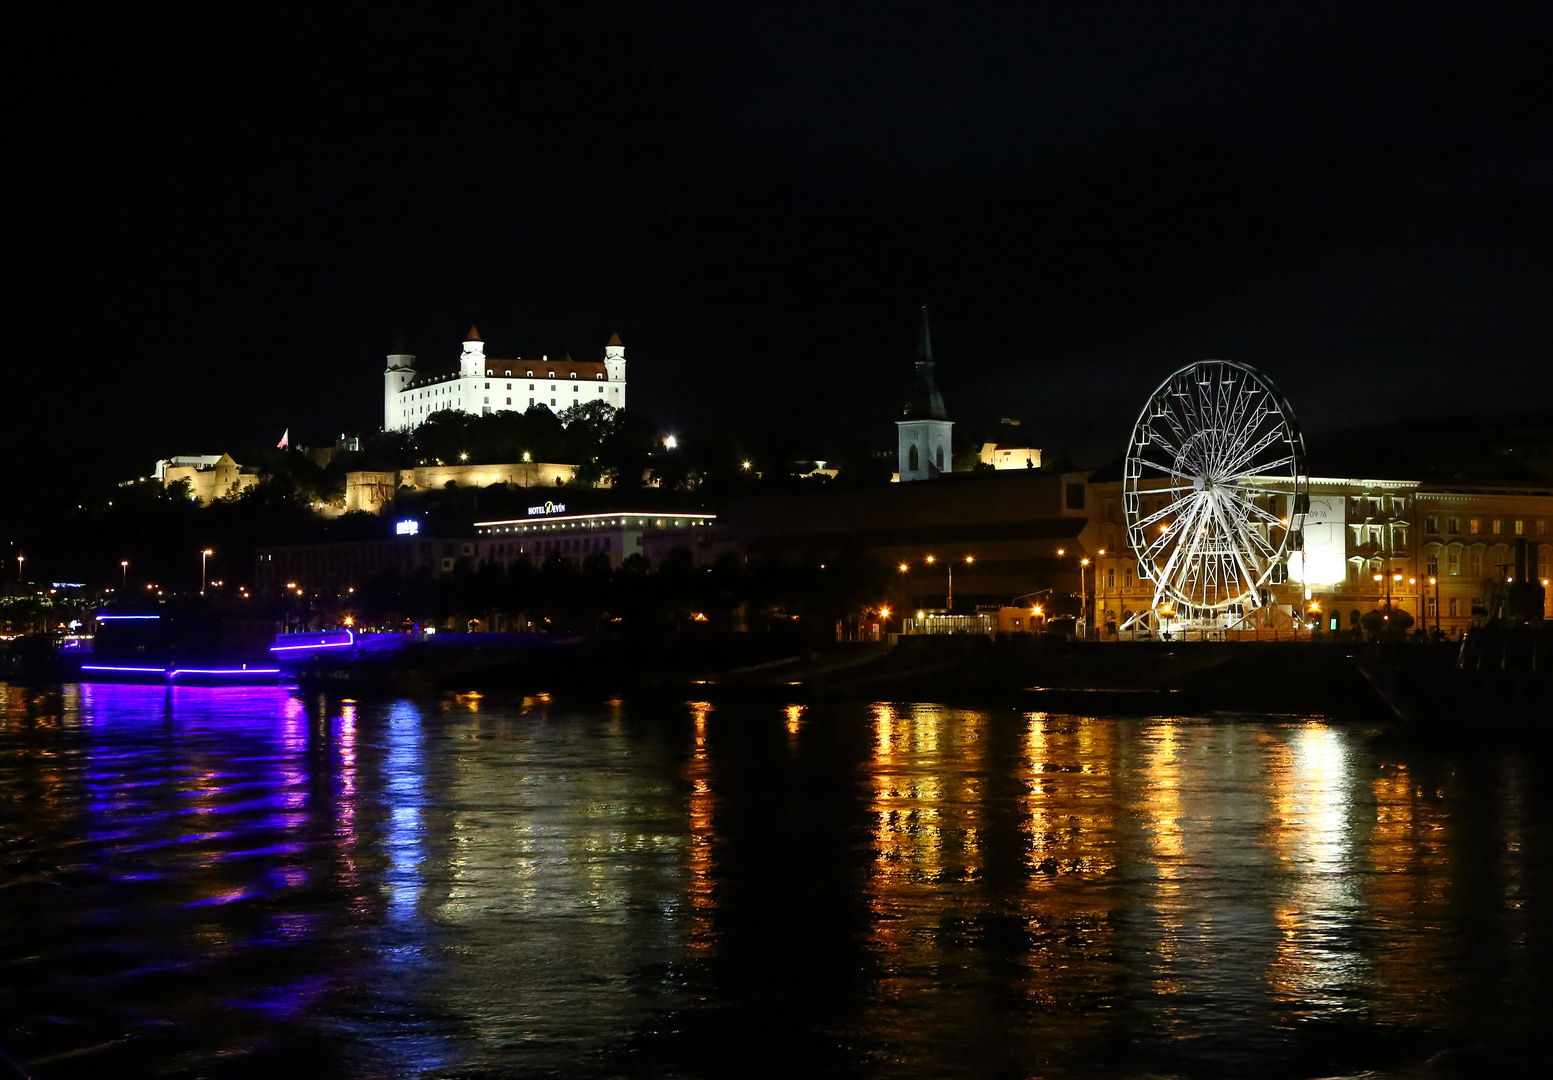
pixel 484 384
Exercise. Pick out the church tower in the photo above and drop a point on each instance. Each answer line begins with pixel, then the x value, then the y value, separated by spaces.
pixel 399 374
pixel 615 370
pixel 924 434
pixel 471 365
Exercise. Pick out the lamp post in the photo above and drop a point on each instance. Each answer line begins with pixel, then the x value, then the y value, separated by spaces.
pixel 932 560
pixel 124 581
pixel 20 574
pixel 1083 598
pixel 205 554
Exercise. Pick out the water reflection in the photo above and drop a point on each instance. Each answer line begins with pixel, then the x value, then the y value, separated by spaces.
pixel 477 886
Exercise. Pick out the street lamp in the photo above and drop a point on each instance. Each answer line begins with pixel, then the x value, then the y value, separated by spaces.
pixel 205 554
pixel 1083 598
pixel 124 569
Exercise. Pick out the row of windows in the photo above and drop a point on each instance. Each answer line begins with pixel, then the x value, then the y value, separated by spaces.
pixel 530 375
pixel 1495 526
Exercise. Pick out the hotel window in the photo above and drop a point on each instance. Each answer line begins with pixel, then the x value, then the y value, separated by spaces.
pixel 1475 526
pixel 1433 607
pixel 1477 562
pixel 1520 528
pixel 1110 577
pixel 1455 525
pixel 1432 524
pixel 1541 526
pixel 1127 580
pixel 1453 562
pixel 1455 605
pixel 1498 526
pixel 1433 565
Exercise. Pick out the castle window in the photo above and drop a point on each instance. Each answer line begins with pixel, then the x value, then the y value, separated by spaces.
pixel 911 458
pixel 487 386
pixel 574 374
pixel 600 378
pixel 552 374
pixel 509 401
pixel 509 375
pixel 531 375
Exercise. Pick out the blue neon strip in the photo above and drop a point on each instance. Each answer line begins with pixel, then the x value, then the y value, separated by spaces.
pixel 105 667
pixel 120 618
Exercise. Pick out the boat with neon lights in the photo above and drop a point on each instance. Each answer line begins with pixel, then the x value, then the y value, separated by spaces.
pixel 173 645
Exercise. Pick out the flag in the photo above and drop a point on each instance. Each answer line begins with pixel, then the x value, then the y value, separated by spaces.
pixel 285 440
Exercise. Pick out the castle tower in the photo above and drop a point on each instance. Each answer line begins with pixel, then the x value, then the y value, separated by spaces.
pixel 924 435
pixel 472 364
pixel 399 374
pixel 615 370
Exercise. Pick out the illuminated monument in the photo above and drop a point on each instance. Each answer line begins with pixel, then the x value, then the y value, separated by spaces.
pixel 1214 493
pixel 484 384
pixel 923 436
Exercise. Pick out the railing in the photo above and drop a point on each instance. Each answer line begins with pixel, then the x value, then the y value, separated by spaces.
pixel 950 624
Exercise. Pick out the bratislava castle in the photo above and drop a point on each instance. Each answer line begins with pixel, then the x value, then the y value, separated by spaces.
pixel 484 384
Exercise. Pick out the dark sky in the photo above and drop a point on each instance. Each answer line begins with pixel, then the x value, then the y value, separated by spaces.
pixel 221 221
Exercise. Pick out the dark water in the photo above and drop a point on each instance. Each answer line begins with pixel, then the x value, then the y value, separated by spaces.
pixel 210 883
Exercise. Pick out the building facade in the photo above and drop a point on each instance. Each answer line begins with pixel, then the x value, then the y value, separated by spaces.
pixel 550 529
pixel 1445 554
pixel 485 384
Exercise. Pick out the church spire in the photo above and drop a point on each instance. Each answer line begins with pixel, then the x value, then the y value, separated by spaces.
pixel 925 349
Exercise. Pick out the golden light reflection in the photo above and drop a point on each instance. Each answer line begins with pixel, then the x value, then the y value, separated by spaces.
pixel 1315 960
pixel 926 812
pixel 794 719
pixel 1161 813
pixel 702 833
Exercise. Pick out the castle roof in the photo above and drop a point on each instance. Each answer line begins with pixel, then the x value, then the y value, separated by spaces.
pixel 614 339
pixel 473 335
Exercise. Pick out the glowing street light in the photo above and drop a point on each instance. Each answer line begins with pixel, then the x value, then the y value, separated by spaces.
pixel 124 584
pixel 207 553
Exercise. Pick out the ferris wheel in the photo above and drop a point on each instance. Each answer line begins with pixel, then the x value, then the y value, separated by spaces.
pixel 1214 491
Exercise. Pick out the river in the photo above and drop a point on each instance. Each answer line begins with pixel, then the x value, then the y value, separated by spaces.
pixel 246 883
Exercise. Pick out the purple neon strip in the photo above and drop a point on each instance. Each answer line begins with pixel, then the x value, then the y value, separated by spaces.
pixel 223 671
pixel 107 667
pixel 350 640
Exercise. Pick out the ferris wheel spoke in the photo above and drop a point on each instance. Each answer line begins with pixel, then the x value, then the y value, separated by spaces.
pixel 1239 555
pixel 1255 469
pixel 1240 460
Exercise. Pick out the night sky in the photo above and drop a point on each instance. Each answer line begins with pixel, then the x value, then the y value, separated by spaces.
pixel 221 222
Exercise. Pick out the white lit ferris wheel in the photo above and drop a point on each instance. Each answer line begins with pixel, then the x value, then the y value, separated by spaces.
pixel 1214 491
